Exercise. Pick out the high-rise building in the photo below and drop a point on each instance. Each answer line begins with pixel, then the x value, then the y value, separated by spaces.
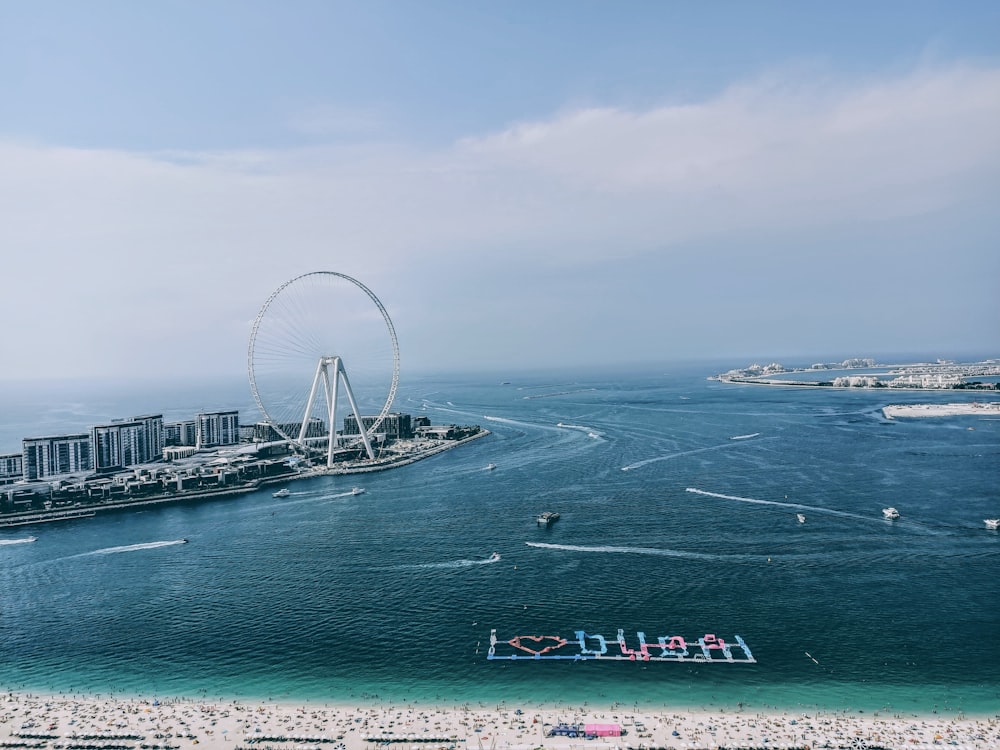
pixel 151 438
pixel 118 445
pixel 217 428
pixel 45 457
pixel 180 433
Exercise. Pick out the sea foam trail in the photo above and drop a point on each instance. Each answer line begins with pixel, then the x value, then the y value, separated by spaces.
pixel 445 565
pixel 642 551
pixel 780 504
pixel 637 464
pixel 592 433
pixel 519 423
pixel 24 540
pixel 137 547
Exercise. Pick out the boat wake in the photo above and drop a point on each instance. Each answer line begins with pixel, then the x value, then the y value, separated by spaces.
pixel 642 551
pixel 23 540
pixel 800 506
pixel 745 437
pixel 137 547
pixel 637 464
pixel 591 433
pixel 451 564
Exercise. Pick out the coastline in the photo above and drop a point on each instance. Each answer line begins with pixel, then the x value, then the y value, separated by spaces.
pixel 13 520
pixel 40 720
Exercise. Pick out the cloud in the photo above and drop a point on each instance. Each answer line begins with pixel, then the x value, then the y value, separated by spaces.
pixel 176 250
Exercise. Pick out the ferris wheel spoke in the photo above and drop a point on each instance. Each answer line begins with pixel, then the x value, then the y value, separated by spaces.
pixel 322 323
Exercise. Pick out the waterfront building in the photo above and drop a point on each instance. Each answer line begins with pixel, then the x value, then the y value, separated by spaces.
pixel 127 442
pixel 117 445
pixel 45 457
pixel 11 467
pixel 217 428
pixel 395 425
pixel 264 432
pixel 176 452
pixel 151 437
pixel 180 433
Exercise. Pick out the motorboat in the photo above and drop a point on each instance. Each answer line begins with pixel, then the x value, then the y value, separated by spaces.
pixel 992 523
pixel 494 557
pixel 357 490
pixel 890 514
pixel 490 467
pixel 544 519
pixel 802 518
pixel 283 492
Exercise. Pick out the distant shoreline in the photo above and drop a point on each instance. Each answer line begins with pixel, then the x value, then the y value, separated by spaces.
pixel 924 377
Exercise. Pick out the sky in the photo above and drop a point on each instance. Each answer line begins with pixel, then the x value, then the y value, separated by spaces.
pixel 522 184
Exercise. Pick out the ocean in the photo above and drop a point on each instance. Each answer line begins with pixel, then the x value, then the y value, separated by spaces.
pixel 678 498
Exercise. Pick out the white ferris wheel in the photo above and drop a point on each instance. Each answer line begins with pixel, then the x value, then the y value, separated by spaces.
pixel 322 348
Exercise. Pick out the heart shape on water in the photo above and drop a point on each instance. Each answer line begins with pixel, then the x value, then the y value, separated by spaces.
pixel 556 642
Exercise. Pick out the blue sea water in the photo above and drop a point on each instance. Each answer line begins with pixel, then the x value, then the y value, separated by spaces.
pixel 668 526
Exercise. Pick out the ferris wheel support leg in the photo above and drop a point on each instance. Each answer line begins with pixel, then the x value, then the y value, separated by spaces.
pixel 331 405
pixel 357 413
pixel 320 370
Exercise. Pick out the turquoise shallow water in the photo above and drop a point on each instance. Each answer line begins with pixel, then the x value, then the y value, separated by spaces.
pixel 390 596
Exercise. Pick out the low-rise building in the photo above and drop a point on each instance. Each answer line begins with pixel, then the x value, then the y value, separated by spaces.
pixel 11 467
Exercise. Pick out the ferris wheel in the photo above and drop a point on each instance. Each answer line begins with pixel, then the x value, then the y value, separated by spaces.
pixel 323 347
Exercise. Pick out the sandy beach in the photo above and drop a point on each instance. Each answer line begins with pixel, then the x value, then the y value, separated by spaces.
pixel 976 408
pixel 40 721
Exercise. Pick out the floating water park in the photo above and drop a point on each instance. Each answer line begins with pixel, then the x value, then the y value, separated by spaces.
pixel 585 646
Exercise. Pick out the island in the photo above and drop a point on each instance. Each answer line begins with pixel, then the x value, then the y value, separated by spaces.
pixel 863 372
pixel 973 408
pixel 189 473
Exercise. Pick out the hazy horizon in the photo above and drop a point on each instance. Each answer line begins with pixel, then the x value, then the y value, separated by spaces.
pixel 553 185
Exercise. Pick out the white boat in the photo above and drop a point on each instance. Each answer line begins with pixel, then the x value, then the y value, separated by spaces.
pixel 544 519
pixel 802 518
pixel 992 523
pixel 494 557
pixel 890 513
pixel 490 467
pixel 357 490
pixel 283 492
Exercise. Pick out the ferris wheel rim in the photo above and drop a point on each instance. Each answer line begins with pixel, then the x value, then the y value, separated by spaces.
pixel 393 385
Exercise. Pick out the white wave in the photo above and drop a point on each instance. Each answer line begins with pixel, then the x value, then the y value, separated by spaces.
pixel 800 506
pixel 447 565
pixel 23 540
pixel 136 547
pixel 591 432
pixel 744 437
pixel 641 551
pixel 532 425
pixel 637 464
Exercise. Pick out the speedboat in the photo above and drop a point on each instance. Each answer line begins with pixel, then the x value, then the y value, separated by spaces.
pixel 544 519
pixel 494 557
pixel 802 518
pixel 490 467
pixel 992 523
pixel 283 492
pixel 890 514
pixel 357 490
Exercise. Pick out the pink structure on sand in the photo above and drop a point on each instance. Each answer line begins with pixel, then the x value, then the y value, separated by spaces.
pixel 602 730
